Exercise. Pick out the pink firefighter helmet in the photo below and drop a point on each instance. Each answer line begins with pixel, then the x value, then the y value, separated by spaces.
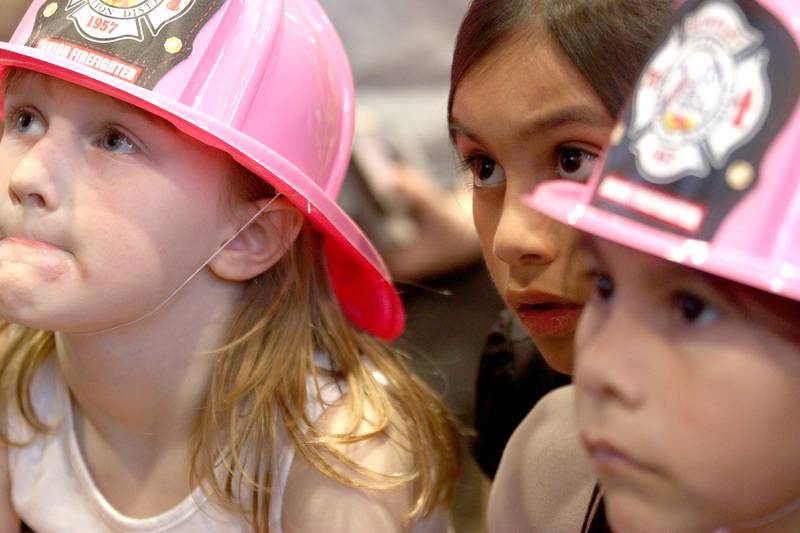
pixel 704 166
pixel 266 81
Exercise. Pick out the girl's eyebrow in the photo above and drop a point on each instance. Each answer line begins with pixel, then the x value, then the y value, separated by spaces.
pixel 153 120
pixel 579 114
pixel 18 89
pixel 663 269
pixel 456 128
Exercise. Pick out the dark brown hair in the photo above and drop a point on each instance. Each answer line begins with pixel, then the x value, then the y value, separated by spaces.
pixel 607 40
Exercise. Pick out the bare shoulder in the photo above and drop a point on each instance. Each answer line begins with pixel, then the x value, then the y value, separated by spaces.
pixel 313 502
pixel 544 481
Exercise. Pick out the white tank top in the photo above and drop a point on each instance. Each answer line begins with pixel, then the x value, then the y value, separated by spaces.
pixel 53 491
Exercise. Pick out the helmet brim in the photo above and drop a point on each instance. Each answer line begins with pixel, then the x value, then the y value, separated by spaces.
pixel 569 203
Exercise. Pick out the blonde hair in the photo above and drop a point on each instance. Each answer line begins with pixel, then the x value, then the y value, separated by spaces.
pixel 259 381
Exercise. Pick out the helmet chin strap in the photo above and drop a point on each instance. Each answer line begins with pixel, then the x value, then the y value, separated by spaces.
pixel 170 296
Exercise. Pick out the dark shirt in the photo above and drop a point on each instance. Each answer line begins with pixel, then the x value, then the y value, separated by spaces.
pixel 512 377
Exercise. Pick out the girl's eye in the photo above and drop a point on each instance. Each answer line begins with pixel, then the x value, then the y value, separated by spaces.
pixel 28 123
pixel 603 285
pixel 574 163
pixel 693 309
pixel 485 171
pixel 117 142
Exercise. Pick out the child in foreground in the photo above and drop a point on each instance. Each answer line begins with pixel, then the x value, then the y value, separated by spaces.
pixel 688 355
pixel 192 326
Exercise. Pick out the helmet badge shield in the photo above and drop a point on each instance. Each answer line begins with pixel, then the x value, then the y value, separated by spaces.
pixel 137 41
pixel 706 109
pixel 704 94
pixel 716 188
pixel 114 20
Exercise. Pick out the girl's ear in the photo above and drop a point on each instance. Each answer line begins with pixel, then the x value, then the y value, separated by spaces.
pixel 262 243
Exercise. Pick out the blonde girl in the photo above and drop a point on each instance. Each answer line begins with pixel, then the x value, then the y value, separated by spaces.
pixel 193 328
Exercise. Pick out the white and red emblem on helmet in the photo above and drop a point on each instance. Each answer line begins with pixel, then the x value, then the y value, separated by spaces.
pixel 105 21
pixel 704 94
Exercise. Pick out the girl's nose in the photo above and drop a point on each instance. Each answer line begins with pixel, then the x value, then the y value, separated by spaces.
pixel 30 184
pixel 524 236
pixel 611 356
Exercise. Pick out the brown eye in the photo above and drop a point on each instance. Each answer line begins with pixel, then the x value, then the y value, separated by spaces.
pixel 485 171
pixel 604 287
pixel 693 309
pixel 575 163
pixel 484 168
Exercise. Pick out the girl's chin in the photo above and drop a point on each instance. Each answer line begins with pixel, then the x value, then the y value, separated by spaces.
pixel 631 515
pixel 559 355
pixel 623 520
